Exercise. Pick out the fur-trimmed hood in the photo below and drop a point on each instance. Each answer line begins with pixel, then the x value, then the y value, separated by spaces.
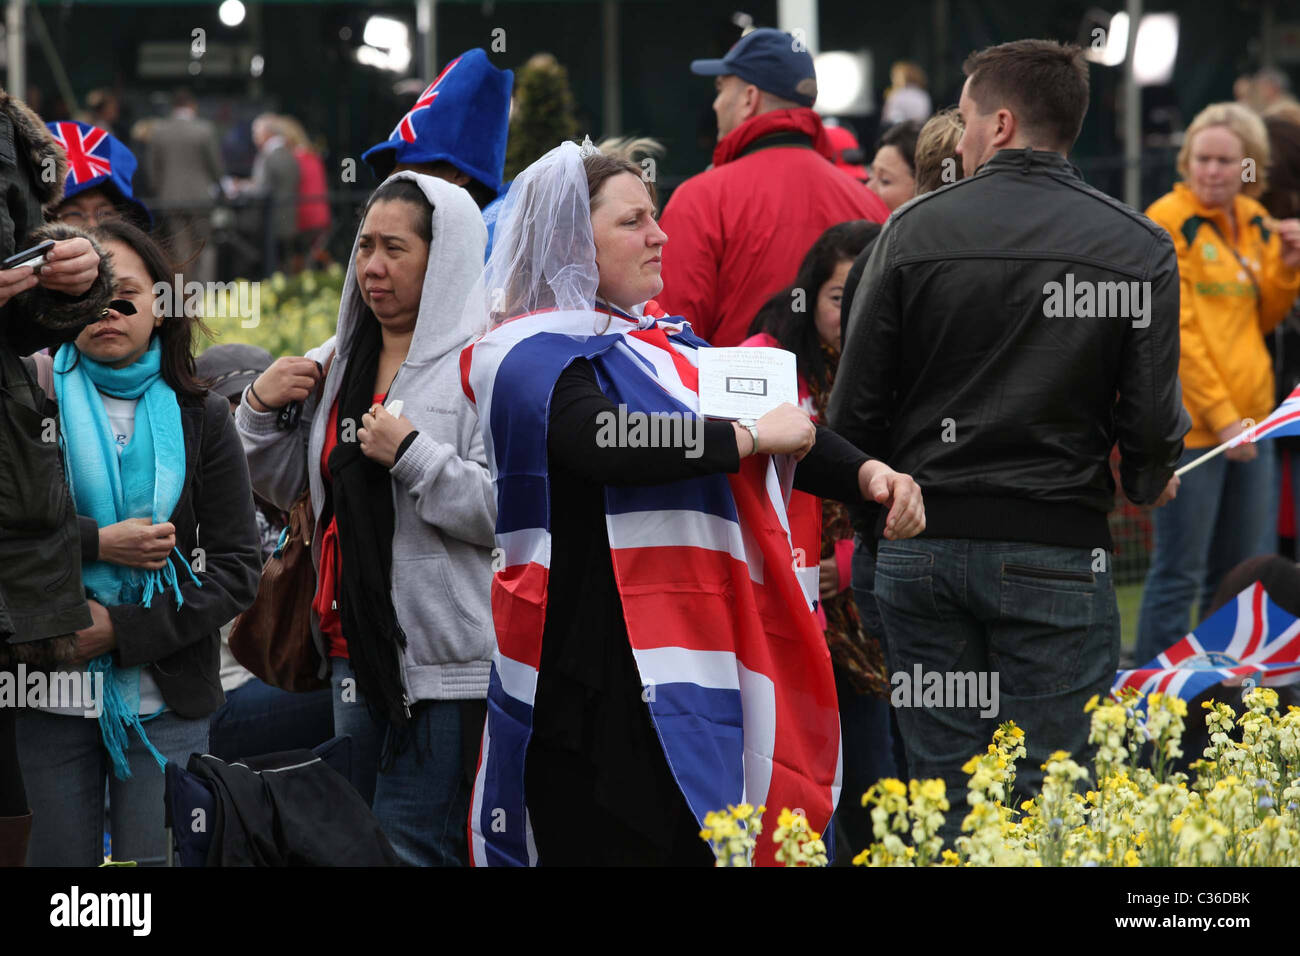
pixel 42 150
pixel 57 310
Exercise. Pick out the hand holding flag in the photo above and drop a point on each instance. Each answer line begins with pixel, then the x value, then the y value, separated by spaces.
pixel 1285 420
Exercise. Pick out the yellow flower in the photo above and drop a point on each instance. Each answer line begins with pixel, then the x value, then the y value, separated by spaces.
pixel 933 790
pixel 1131 858
pixel 1089 707
pixel 894 787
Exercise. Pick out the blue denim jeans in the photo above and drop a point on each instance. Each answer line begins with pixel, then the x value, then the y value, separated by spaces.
pixel 352 717
pixel 65 767
pixel 1225 512
pixel 260 719
pixel 1036 616
pixel 422 800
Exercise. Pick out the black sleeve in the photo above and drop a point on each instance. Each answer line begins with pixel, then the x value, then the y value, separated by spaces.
pixel 583 437
pixel 1150 420
pixel 830 470
pixel 406 443
pixel 233 553
pixel 89 538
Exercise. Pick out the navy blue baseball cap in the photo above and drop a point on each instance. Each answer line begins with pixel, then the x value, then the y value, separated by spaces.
pixel 772 60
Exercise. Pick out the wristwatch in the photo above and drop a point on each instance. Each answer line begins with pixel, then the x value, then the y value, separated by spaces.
pixel 752 427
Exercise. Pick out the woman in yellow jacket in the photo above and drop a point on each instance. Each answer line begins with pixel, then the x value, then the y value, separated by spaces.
pixel 1238 270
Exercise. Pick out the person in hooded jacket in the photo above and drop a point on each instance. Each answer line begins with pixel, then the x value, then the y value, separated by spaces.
pixel 741 228
pixel 404 508
pixel 42 605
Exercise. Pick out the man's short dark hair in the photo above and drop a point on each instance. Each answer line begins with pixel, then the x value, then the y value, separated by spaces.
pixel 1044 83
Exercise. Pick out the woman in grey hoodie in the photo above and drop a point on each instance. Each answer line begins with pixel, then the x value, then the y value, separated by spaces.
pixel 404 508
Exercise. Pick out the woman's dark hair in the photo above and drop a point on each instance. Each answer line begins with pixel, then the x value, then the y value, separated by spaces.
pixel 176 334
pixel 796 331
pixel 1282 197
pixel 902 136
pixel 407 191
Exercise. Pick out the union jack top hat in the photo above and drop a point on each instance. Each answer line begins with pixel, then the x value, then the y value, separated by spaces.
pixel 462 117
pixel 98 160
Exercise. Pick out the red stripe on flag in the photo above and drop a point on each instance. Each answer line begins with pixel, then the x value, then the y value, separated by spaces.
pixel 1180 652
pixel 1256 618
pixel 687 372
pixel 466 361
pixel 1268 426
pixel 519 611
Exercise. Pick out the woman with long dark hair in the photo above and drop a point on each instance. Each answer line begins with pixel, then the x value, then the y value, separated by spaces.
pixel 805 319
pixel 169 553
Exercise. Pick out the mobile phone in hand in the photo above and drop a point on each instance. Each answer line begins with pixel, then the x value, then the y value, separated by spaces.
pixel 28 257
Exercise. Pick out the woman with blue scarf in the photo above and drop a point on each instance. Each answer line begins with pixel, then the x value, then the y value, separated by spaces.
pixel 169 553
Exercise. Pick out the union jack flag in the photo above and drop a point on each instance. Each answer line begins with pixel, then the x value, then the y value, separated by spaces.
pixel 743 693
pixel 404 127
pixel 83 163
pixel 1248 636
pixel 1284 421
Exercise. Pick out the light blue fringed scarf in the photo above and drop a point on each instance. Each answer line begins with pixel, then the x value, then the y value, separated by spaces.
pixel 144 481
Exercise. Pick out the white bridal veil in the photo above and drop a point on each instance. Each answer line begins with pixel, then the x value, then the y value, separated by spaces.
pixel 543 252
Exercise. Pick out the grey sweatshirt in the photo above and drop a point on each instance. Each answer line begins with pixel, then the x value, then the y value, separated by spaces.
pixel 443 501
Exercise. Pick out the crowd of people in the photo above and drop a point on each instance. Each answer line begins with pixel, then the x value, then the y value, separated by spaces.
pixel 549 647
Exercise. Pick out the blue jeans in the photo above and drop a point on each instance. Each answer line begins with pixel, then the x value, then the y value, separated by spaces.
pixel 260 719
pixel 1225 512
pixel 65 766
pixel 1036 616
pixel 352 717
pixel 422 800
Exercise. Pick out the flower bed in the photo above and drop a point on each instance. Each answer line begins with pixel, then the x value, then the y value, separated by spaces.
pixel 1242 809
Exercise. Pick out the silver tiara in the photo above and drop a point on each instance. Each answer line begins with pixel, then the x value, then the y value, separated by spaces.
pixel 588 148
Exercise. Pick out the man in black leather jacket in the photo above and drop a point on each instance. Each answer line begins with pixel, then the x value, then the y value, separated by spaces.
pixel 1009 329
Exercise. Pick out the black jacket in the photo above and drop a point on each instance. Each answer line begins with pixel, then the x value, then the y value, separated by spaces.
pixel 286 809
pixel 41 600
pixel 956 372
pixel 182 645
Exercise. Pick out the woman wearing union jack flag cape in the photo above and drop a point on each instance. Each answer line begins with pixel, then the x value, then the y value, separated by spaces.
pixel 656 657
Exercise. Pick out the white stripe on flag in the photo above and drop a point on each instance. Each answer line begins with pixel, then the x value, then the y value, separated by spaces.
pixel 518 680
pixel 1245 625
pixel 666 374
pixel 525 546
pixel 680 528
pixel 758 703
pixel 678 665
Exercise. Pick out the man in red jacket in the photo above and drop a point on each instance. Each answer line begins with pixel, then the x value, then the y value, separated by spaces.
pixel 739 230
